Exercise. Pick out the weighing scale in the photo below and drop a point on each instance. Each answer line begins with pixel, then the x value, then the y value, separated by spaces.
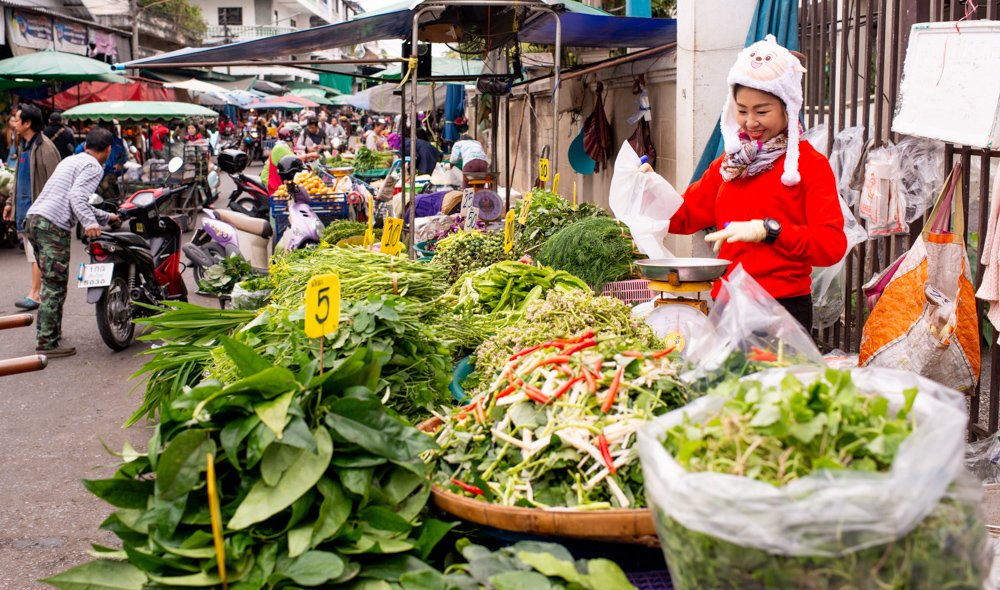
pixel 682 281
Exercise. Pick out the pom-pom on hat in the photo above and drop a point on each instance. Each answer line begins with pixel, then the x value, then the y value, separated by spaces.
pixel 768 67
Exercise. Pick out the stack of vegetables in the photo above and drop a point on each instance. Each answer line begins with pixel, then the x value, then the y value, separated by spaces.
pixel 465 251
pixel 221 277
pixel 547 214
pixel 366 160
pixel 599 250
pixel 557 426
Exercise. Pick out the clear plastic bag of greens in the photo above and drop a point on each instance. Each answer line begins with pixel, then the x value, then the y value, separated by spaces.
pixel 914 526
pixel 249 299
pixel 747 331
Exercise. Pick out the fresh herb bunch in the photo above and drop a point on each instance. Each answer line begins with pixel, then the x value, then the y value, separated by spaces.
pixel 547 214
pixel 557 426
pixel 317 485
pixel 944 551
pixel 366 160
pixel 466 251
pixel 599 250
pixel 560 315
pixel 221 277
pixel 341 229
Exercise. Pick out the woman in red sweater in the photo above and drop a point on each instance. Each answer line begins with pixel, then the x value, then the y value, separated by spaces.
pixel 772 199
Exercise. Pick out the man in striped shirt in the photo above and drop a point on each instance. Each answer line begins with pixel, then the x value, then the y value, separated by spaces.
pixel 64 201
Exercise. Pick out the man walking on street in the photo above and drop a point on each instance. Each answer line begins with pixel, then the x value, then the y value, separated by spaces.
pixel 37 158
pixel 63 202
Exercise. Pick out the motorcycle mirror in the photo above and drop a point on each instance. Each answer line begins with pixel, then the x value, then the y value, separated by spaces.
pixel 175 164
pixel 95 199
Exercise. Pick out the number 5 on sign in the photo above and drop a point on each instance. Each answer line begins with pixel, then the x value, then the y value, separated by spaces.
pixel 508 231
pixel 390 236
pixel 322 305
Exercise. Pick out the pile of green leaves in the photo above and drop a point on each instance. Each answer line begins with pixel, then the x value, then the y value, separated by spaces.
pixel 341 229
pixel 416 364
pixel 562 314
pixel 221 277
pixel 504 290
pixel 318 484
pixel 795 430
pixel 466 251
pixel 188 334
pixel 366 160
pixel 547 214
pixel 599 250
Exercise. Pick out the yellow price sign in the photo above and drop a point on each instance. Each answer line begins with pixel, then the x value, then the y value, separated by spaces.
pixel 390 236
pixel 555 184
pixel 322 305
pixel 543 170
pixel 522 218
pixel 508 231
pixel 369 238
pixel 574 195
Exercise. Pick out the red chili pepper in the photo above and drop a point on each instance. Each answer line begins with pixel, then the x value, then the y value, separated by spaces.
pixel 509 390
pixel 564 388
pixel 524 352
pixel 468 488
pixel 552 360
pixel 581 346
pixel 586 336
pixel 464 413
pixel 602 445
pixel 591 381
pixel 477 407
pixel 633 354
pixel 662 353
pixel 598 368
pixel 609 400
pixel 535 394
pixel 762 356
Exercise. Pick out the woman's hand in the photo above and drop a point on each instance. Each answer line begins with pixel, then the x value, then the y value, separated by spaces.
pixel 645 168
pixel 738 231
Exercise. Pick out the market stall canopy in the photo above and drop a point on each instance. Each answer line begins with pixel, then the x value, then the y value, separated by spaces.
pixel 58 66
pixel 138 111
pixel 382 98
pixel 193 85
pixel 291 98
pixel 316 95
pixel 264 105
pixel 582 26
pixel 135 89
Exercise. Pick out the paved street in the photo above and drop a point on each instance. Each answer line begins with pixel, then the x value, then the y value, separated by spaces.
pixel 52 424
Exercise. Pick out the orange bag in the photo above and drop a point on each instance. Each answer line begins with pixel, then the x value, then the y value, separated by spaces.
pixel 925 320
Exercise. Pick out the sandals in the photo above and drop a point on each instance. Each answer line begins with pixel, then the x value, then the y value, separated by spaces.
pixel 27 303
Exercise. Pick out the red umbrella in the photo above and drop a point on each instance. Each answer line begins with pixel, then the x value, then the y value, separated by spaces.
pixel 293 98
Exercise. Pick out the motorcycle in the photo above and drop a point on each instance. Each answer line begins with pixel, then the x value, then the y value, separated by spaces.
pixel 141 265
pixel 228 233
pixel 250 195
pixel 252 146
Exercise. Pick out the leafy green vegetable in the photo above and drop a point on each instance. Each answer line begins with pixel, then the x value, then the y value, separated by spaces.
pixel 220 278
pixel 341 229
pixel 366 160
pixel 599 250
pixel 466 251
pixel 547 214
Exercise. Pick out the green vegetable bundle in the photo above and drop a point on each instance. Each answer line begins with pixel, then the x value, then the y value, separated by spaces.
pixel 506 289
pixel 466 251
pixel 562 314
pixel 366 160
pixel 342 229
pixel 221 277
pixel 557 427
pixel 800 478
pixel 599 250
pixel 547 214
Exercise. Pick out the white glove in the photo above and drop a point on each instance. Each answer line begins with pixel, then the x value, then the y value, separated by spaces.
pixel 738 231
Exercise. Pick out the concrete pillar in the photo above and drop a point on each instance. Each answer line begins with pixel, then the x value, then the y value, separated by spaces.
pixel 710 33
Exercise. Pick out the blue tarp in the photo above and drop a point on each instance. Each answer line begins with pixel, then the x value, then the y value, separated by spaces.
pixel 454 106
pixel 775 17
pixel 581 27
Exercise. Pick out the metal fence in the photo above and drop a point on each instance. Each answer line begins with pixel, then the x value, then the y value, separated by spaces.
pixel 854 56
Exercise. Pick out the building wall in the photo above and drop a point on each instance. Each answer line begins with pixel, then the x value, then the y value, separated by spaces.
pixel 210 10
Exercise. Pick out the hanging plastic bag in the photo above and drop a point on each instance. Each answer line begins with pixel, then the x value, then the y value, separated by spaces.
pixel 919 175
pixel 845 157
pixel 818 138
pixel 982 459
pixel 882 204
pixel 828 281
pixel 747 330
pixel 913 527
pixel 644 201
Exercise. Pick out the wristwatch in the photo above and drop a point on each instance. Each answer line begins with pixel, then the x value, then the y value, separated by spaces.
pixel 773 229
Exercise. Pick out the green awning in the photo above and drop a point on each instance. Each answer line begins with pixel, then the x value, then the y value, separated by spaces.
pixel 137 110
pixel 314 94
pixel 58 66
pixel 339 82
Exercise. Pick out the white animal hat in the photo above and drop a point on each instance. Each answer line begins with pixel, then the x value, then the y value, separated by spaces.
pixel 769 67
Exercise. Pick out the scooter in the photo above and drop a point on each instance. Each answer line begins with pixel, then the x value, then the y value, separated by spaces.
pixel 228 233
pixel 250 195
pixel 252 145
pixel 141 265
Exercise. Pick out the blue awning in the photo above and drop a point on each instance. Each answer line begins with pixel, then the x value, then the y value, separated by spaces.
pixel 581 27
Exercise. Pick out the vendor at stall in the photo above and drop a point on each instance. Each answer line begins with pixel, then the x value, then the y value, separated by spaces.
pixel 314 139
pixel 771 198
pixel 282 147
pixel 472 156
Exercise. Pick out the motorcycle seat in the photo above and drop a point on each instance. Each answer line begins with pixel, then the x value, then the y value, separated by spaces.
pixel 245 223
pixel 255 182
pixel 129 238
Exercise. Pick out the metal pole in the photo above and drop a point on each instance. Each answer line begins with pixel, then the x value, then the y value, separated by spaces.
pixel 414 55
pixel 555 96
pixel 134 10
pixel 506 158
pixel 261 62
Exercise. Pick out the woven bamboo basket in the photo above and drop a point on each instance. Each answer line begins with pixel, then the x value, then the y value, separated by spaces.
pixel 633 526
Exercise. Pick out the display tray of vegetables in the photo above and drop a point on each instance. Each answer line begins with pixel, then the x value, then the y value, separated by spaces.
pixel 809 482
pixel 555 430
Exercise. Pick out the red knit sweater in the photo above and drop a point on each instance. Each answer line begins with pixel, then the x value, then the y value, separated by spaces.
pixel 812 225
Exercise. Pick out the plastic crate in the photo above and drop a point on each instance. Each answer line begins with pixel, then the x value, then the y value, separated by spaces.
pixel 327 207
pixel 631 291
pixel 373 175
pixel 658 580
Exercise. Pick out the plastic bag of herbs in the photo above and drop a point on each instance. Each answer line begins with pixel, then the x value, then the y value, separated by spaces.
pixel 816 480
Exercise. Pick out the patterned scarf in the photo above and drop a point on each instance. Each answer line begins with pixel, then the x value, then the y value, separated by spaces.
pixel 753 157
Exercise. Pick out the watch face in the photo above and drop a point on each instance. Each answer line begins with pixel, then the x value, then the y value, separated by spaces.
pixel 773 225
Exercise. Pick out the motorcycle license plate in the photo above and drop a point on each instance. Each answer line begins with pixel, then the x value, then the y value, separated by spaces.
pixel 94 275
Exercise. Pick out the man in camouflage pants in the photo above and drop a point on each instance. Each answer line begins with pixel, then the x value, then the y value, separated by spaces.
pixel 63 202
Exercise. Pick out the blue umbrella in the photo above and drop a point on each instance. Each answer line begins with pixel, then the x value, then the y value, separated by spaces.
pixel 775 17
pixel 454 106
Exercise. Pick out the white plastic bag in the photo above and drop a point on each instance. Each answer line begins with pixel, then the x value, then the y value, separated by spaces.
pixel 883 205
pixel 644 202
pixel 828 281
pixel 828 513
pixel 745 318
pixel 848 147
pixel 818 138
pixel 920 174
pixel 446 175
